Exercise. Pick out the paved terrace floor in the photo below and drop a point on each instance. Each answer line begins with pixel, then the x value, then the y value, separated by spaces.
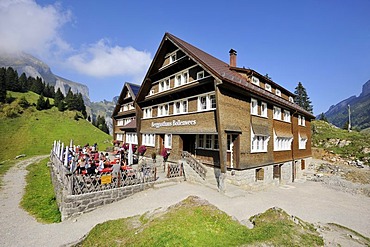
pixel 308 200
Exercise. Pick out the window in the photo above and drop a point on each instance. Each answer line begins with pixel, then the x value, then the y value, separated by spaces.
pixel 287 116
pixel 268 87
pixel 302 141
pixel 207 141
pixel 206 102
pixel 301 120
pixel 168 141
pixel 277 113
pixel 185 78
pixel 200 142
pixel 258 142
pixel 278 92
pixel 178 80
pixel 282 143
pixel 163 110
pixel 119 137
pixel 254 107
pixel 151 92
pixel 291 99
pixel 148 139
pixel 200 75
pixel 264 109
pixel 255 81
pixel 172 57
pixel 180 106
pixel 131 138
pixel 147 112
pixel 120 122
pixel 164 85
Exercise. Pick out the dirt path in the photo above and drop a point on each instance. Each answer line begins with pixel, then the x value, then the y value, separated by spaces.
pixel 310 201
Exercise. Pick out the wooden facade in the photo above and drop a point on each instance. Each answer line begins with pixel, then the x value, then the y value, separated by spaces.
pixel 225 116
pixel 124 115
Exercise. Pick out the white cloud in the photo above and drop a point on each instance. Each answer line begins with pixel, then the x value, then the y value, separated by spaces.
pixel 27 26
pixel 102 59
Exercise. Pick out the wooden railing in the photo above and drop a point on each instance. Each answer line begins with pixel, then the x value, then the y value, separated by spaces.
pixel 76 184
pixel 195 164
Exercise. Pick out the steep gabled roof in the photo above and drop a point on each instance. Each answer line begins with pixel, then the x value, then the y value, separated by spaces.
pixel 133 89
pixel 222 71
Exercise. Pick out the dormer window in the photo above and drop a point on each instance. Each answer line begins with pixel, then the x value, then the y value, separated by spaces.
pixel 173 58
pixel 278 92
pixel 268 87
pixel 200 75
pixel 255 81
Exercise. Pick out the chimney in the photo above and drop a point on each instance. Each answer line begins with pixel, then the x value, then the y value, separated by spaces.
pixel 232 53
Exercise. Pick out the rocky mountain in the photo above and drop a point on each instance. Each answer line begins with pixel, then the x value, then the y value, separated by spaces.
pixel 359 106
pixel 31 66
pixel 104 108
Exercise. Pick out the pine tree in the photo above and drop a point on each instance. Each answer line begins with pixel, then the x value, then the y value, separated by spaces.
pixel 40 103
pixel 58 97
pixel 323 117
pixel 23 82
pixel 2 85
pixel 302 98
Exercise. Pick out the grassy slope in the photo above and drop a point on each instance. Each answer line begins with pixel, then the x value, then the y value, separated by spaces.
pixel 322 132
pixel 33 132
pixel 194 222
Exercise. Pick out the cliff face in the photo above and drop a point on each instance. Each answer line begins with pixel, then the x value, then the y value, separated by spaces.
pixel 31 66
pixel 359 106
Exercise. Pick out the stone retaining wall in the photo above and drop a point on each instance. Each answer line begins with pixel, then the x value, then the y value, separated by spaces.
pixel 73 205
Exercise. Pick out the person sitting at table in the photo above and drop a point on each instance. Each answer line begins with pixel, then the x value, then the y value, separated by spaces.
pixel 101 165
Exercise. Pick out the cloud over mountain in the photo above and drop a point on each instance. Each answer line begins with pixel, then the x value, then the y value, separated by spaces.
pixel 101 60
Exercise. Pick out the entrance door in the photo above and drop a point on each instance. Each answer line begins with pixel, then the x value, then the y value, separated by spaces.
pixel 161 143
pixel 233 150
pixel 188 143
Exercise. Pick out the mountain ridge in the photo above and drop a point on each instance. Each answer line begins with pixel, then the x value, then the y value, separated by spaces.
pixel 359 108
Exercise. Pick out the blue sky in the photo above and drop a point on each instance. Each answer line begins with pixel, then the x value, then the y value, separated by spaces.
pixel 102 44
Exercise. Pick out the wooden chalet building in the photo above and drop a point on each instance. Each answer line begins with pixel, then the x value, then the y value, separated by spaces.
pixel 226 116
pixel 124 115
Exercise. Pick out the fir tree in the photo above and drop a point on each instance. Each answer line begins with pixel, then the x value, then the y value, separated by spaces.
pixel 323 117
pixel 40 103
pixel 23 82
pixel 58 97
pixel 302 98
pixel 2 85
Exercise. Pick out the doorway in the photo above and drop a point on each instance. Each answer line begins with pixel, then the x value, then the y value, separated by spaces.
pixel 233 150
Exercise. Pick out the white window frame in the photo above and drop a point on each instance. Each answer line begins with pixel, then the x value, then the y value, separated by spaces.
pixel 200 75
pixel 278 92
pixel 163 110
pixel 147 112
pixel 164 85
pixel 302 142
pixel 282 143
pixel 277 113
pixel 255 81
pixel 291 99
pixel 301 120
pixel 168 140
pixel 183 107
pixel 209 104
pixel 173 57
pixel 259 143
pixel 287 117
pixel 119 137
pixel 148 140
pixel 120 122
pixel 131 137
pixel 268 87
pixel 151 92
pixel 254 106
pixel 263 109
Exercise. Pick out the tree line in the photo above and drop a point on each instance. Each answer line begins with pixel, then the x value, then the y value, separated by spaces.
pixel 10 81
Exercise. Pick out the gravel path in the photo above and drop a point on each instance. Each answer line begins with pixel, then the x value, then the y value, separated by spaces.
pixel 310 201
